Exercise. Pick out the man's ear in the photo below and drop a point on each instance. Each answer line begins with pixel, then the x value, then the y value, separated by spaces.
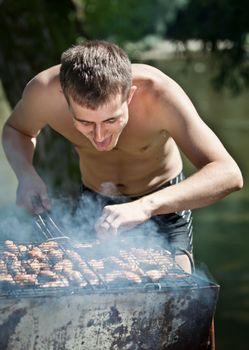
pixel 131 93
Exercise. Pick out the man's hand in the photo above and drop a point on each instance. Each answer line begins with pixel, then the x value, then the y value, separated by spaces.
pixel 121 217
pixel 32 194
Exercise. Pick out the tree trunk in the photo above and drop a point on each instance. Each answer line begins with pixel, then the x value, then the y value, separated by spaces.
pixel 32 37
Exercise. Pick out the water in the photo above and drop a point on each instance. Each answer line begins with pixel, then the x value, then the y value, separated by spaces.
pixel 221 238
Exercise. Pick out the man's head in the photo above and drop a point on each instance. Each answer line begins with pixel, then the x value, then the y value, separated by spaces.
pixel 94 72
pixel 96 80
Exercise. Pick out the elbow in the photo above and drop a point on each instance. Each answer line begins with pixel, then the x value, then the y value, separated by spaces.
pixel 235 181
pixel 240 182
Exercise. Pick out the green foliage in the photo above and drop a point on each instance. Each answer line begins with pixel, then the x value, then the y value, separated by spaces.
pixel 119 20
pixel 128 20
pixel 232 70
pixel 213 22
pixel 33 35
pixel 210 21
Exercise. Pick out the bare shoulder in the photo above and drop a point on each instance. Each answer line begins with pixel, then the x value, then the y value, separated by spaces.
pixel 46 77
pixel 43 96
pixel 164 91
pixel 44 87
pixel 40 102
pixel 152 77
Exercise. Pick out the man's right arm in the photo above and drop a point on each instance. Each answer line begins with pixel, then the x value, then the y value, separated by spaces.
pixel 19 140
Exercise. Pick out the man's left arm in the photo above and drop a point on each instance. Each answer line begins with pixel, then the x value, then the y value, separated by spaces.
pixel 217 173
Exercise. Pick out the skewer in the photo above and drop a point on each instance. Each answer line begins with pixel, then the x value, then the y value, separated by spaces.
pixel 48 227
pixel 45 223
pixel 42 227
pixel 54 226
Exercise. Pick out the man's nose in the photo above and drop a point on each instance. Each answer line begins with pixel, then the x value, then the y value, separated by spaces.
pixel 99 133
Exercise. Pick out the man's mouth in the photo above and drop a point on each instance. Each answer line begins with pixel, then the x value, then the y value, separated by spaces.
pixel 103 144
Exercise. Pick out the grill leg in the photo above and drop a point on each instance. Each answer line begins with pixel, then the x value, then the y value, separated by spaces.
pixel 211 345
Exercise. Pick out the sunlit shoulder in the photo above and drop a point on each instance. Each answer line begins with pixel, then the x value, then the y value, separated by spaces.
pixel 155 82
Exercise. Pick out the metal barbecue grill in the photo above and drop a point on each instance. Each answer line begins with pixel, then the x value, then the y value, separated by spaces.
pixel 150 268
pixel 127 298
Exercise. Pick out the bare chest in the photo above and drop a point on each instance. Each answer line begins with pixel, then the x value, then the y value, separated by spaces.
pixel 141 160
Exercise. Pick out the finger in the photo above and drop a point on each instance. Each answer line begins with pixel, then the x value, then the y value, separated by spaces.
pixel 26 203
pixel 113 231
pixel 120 225
pixel 45 202
pixel 106 219
pixel 105 228
pixel 107 215
pixel 36 205
pixel 111 228
pixel 115 226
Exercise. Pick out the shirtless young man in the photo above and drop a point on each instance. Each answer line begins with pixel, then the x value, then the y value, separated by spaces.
pixel 126 122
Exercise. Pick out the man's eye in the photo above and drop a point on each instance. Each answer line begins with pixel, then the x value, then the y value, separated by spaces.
pixel 85 123
pixel 111 121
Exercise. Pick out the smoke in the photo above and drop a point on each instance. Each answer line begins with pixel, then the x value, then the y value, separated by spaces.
pixel 77 219
pixel 202 271
pixel 15 224
pixel 109 189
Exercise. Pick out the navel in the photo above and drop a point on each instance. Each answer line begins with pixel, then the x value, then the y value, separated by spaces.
pixel 144 148
pixel 120 186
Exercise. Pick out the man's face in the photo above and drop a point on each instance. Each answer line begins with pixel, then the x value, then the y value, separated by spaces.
pixel 104 125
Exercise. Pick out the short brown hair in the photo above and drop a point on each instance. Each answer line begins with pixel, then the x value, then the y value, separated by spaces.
pixel 93 72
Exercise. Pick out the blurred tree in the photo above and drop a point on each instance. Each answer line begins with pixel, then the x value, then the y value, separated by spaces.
pixel 119 20
pixel 213 22
pixel 128 20
pixel 32 37
pixel 210 21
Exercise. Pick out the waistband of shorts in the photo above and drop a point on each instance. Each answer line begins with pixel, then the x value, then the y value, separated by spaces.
pixel 180 177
